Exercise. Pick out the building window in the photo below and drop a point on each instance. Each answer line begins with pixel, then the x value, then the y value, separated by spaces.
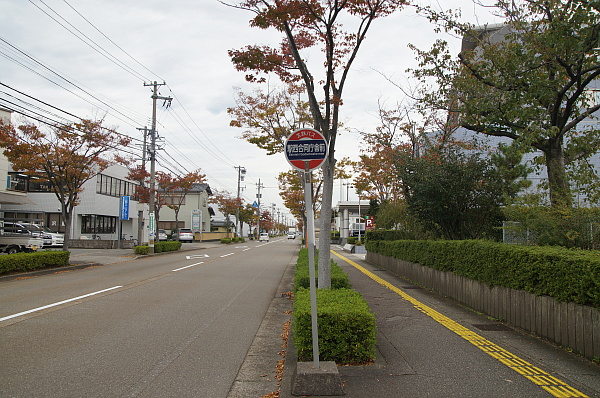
pixel 93 224
pixel 107 185
pixel 17 182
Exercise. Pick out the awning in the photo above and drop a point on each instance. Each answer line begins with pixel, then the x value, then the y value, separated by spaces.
pixel 14 199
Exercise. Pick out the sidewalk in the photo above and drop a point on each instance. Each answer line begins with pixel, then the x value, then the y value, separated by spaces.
pixel 432 347
pixel 112 256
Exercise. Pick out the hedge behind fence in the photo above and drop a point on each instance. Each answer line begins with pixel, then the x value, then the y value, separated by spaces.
pixel 568 275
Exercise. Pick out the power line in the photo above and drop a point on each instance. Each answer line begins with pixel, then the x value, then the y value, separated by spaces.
pixel 97 47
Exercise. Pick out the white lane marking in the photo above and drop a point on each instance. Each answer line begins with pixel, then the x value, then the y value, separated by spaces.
pixel 229 254
pixel 59 303
pixel 246 249
pixel 196 256
pixel 187 266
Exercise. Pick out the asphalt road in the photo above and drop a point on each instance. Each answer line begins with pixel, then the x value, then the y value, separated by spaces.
pixel 176 325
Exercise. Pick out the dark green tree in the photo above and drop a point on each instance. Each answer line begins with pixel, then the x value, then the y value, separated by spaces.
pixel 455 194
pixel 530 81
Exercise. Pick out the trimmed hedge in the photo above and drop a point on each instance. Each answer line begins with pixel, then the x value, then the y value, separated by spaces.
pixel 568 275
pixel 21 262
pixel 159 247
pixel 226 240
pixel 339 279
pixel 346 327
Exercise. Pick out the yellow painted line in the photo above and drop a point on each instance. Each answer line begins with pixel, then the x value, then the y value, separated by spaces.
pixel 537 376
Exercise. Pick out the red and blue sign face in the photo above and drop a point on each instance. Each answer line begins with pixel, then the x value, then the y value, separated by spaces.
pixel 306 147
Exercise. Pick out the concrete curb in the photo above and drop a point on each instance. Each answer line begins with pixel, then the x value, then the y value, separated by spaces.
pixel 260 375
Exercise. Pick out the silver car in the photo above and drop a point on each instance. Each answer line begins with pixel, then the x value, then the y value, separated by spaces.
pixel 162 235
pixel 184 235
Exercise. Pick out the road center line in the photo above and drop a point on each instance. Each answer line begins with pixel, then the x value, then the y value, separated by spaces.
pixel 229 254
pixel 59 303
pixel 551 384
pixel 187 266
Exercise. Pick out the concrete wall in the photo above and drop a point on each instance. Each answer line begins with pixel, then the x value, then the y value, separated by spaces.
pixel 571 325
pixel 99 244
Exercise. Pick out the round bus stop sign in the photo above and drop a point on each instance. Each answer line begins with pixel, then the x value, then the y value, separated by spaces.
pixel 306 149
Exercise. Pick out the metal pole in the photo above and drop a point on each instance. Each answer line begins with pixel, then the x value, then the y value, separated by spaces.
pixel 311 262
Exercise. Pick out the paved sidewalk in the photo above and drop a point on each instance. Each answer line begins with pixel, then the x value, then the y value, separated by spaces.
pixel 428 346
pixel 112 256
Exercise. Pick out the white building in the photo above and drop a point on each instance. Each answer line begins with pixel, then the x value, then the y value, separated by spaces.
pixel 350 218
pixel 193 207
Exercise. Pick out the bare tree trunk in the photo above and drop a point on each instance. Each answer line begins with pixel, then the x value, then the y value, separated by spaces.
pixel 558 181
pixel 68 221
pixel 324 281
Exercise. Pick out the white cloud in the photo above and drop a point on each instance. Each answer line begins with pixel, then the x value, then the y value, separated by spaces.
pixel 185 42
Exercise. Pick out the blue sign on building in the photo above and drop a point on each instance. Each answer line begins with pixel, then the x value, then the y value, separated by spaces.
pixel 124 208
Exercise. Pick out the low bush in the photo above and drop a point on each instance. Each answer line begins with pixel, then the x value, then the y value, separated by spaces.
pixel 226 240
pixel 159 247
pixel 168 246
pixel 569 275
pixel 339 279
pixel 346 327
pixel 22 262
pixel 142 249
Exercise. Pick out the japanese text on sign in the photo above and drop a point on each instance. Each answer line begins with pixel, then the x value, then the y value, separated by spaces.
pixel 306 149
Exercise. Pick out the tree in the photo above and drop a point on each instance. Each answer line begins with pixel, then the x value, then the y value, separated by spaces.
pixel 247 215
pixel 457 194
pixel 528 82
pixel 306 25
pixel 174 189
pixel 66 157
pixel 226 204
pixel 269 118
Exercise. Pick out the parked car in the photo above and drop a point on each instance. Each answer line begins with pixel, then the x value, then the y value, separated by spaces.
pixel 49 238
pixel 263 237
pixel 184 235
pixel 291 235
pixel 55 238
pixel 162 235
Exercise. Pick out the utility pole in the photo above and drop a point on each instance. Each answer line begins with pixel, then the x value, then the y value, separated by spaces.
pixel 241 173
pixel 140 234
pixel 258 196
pixel 152 156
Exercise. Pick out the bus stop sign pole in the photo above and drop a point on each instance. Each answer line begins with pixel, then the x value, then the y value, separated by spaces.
pixel 311 262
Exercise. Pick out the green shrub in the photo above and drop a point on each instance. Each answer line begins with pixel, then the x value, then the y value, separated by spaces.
pixel 568 275
pixel 142 249
pixel 225 240
pixel 346 327
pixel 352 240
pixel 159 247
pixel 339 279
pixel 21 262
pixel 169 246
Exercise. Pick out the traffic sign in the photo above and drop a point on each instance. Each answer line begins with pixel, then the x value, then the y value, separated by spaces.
pixel 306 147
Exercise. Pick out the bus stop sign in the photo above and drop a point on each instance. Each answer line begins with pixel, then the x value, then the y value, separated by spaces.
pixel 306 147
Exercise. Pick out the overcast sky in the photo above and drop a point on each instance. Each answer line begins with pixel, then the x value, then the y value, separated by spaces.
pixel 43 54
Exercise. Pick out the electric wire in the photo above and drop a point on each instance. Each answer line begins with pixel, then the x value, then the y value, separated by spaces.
pixel 110 40
pixel 217 154
pixel 95 47
pixel 77 86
